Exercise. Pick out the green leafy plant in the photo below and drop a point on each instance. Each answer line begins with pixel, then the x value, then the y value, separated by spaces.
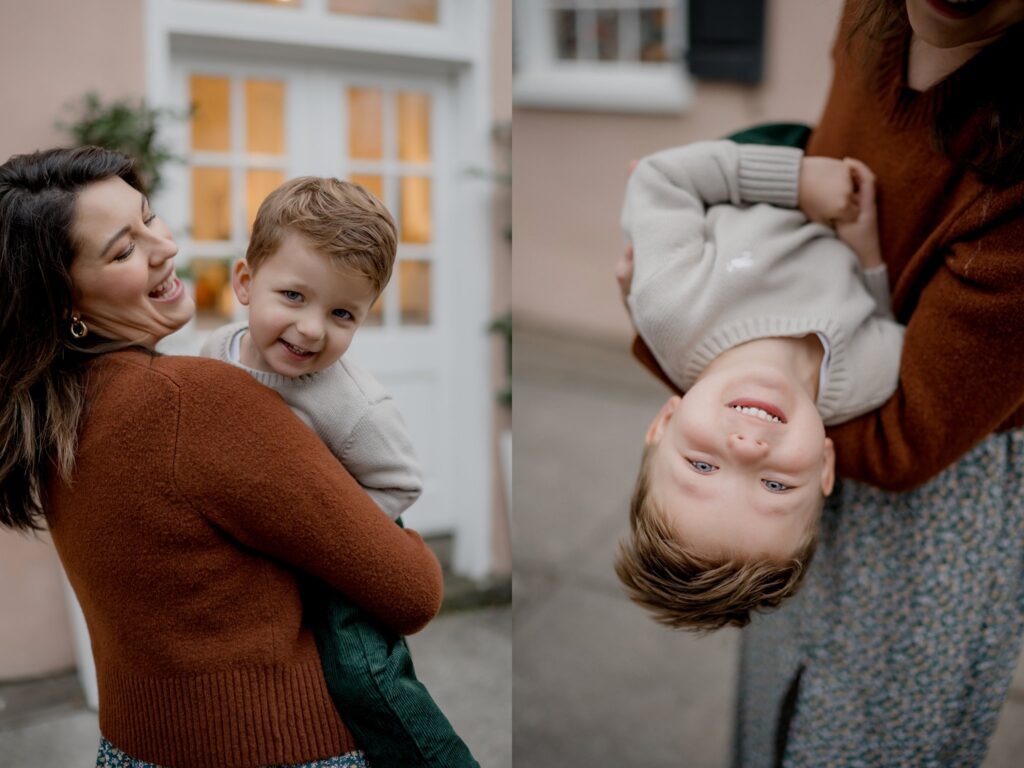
pixel 128 126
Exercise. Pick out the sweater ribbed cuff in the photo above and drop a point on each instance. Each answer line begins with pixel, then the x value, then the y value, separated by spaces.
pixel 769 174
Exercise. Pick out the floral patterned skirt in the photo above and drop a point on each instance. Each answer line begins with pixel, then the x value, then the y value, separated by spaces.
pixel 900 648
pixel 111 757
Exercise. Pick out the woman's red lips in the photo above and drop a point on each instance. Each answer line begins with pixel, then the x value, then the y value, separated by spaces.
pixel 772 410
pixel 958 10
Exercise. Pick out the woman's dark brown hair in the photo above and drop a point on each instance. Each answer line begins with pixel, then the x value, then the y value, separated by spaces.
pixel 41 374
pixel 991 102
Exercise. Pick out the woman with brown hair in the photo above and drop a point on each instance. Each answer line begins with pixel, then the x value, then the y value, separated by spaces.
pixel 900 648
pixel 186 501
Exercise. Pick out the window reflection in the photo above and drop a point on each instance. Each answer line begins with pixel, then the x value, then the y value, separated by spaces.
pixel 414 292
pixel 413 127
pixel 366 123
pixel 259 184
pixel 211 204
pixel 211 117
pixel 264 116
pixel 424 11
pixel 415 210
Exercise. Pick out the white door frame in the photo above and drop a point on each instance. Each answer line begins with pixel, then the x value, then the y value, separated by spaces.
pixel 457 48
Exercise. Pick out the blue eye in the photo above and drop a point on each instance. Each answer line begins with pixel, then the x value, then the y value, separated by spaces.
pixel 775 486
pixel 292 295
pixel 703 467
pixel 343 314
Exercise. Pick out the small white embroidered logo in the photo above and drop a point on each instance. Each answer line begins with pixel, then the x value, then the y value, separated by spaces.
pixel 743 261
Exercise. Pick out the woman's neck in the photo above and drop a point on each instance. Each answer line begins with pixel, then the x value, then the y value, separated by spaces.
pixel 928 64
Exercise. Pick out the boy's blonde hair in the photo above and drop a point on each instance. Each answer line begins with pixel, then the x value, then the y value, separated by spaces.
pixel 685 589
pixel 337 218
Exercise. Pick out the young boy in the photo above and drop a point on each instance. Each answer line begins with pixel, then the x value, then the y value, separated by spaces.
pixel 773 329
pixel 321 252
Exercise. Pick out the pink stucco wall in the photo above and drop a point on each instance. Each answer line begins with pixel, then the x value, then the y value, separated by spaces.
pixel 52 52
pixel 570 168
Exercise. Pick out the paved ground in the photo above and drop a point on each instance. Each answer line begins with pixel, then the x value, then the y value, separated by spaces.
pixel 596 683
pixel 464 658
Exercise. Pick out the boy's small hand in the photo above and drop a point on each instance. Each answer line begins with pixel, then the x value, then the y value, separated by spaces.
pixel 861 234
pixel 827 192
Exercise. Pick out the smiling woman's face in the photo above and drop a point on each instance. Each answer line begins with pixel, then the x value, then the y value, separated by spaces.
pixel 122 276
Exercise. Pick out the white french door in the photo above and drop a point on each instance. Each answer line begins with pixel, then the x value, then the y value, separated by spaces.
pixel 256 125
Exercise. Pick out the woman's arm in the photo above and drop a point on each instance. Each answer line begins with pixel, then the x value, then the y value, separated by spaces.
pixel 962 370
pixel 246 463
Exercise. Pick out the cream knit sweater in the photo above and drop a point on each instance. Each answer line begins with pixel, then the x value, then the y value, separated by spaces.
pixel 353 414
pixel 718 263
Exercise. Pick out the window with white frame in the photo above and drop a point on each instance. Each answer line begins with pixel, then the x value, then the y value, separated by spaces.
pixel 614 55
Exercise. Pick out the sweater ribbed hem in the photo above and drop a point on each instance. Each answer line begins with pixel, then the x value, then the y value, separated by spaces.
pixel 729 336
pixel 235 718
pixel 769 174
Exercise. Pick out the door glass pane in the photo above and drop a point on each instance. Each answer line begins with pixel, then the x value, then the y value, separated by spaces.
pixel 607 35
pixel 407 10
pixel 371 183
pixel 264 116
pixel 259 184
pixel 652 35
pixel 414 213
pixel 413 127
pixel 414 292
pixel 292 3
pixel 365 123
pixel 211 119
pixel 211 204
pixel 565 34
pixel 214 295
pixel 376 314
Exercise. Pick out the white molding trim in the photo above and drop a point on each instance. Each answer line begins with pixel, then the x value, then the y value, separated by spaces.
pixel 660 90
pixel 545 82
pixel 215 26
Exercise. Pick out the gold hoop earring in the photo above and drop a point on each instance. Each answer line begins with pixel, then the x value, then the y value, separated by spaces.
pixel 78 327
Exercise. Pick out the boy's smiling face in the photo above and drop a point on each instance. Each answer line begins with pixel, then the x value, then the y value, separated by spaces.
pixel 741 464
pixel 303 309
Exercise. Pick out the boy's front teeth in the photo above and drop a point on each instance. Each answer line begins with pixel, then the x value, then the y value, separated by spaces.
pixel 758 412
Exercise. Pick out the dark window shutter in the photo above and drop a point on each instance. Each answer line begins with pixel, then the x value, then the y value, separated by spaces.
pixel 727 40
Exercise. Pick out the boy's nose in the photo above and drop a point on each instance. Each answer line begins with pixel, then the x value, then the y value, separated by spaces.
pixel 310 328
pixel 746 447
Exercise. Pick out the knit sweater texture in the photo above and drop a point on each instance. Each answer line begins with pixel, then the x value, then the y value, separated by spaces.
pixel 351 412
pixel 954 246
pixel 197 506
pixel 717 266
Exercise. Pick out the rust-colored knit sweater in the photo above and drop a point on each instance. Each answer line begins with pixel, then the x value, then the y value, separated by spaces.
pixel 955 251
pixel 197 503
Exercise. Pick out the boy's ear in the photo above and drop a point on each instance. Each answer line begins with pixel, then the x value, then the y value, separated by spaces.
pixel 241 279
pixel 828 467
pixel 661 420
